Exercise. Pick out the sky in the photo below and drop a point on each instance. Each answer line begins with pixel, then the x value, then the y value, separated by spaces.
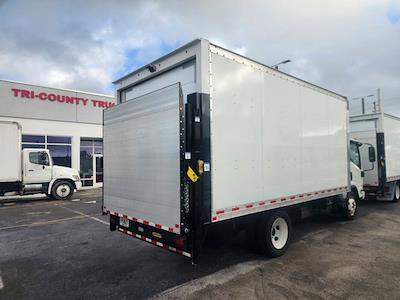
pixel 349 46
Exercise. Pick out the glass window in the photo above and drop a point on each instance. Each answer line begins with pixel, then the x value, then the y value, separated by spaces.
pixel 61 155
pixel 26 138
pixel 33 146
pixel 59 139
pixel 355 154
pixel 89 147
pixel 39 158
pixel 87 142
pixel 98 143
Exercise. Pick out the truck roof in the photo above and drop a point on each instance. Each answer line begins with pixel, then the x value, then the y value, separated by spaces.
pixel 198 40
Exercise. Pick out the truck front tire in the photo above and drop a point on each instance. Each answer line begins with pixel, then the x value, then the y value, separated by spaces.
pixel 349 210
pixel 274 233
pixel 62 190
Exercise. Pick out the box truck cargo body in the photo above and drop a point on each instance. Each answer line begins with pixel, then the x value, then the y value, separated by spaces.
pixel 382 132
pixel 31 171
pixel 10 158
pixel 204 135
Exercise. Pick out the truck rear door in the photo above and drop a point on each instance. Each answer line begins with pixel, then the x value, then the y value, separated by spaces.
pixel 143 159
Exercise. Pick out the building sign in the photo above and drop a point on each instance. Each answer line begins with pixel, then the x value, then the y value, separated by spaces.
pixel 58 98
pixel 28 101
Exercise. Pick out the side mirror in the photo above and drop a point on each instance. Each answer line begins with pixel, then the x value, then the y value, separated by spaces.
pixel 371 154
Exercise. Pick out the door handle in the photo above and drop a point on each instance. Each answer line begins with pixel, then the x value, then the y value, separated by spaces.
pixel 30 170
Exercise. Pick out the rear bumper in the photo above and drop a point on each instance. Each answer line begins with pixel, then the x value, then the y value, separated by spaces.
pixel 157 236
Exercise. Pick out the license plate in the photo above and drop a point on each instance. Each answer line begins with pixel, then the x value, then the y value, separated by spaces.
pixel 124 222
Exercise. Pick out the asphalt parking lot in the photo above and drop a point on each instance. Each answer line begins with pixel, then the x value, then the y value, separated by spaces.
pixel 64 250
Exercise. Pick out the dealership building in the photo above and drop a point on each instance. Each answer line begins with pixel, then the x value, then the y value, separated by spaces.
pixel 67 122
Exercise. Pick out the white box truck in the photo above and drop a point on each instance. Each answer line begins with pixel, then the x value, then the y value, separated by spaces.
pixel 382 132
pixel 204 137
pixel 31 171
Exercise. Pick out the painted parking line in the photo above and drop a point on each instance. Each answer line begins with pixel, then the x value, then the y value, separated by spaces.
pixel 84 215
pixel 41 223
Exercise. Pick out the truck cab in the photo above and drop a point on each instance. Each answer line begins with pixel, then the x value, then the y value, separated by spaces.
pixel 357 166
pixel 40 174
pixel 32 171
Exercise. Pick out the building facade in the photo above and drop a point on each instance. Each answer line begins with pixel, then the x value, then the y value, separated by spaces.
pixel 67 122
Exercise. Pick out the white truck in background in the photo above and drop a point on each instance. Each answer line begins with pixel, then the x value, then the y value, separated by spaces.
pixel 204 137
pixel 381 132
pixel 31 171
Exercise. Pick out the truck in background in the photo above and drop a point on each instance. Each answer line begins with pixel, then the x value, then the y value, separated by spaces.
pixel 204 137
pixel 31 171
pixel 381 132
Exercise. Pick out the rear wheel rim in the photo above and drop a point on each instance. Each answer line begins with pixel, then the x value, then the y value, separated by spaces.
pixel 397 191
pixel 351 206
pixel 279 233
pixel 63 190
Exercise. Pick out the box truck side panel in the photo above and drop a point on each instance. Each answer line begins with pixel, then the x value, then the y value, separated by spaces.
pixel 10 152
pixel 392 147
pixel 142 158
pixel 274 142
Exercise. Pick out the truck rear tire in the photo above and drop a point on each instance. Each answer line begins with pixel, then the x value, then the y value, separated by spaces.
pixel 274 233
pixel 349 210
pixel 62 190
pixel 396 193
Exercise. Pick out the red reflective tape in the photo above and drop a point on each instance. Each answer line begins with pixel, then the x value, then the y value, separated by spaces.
pixel 309 194
pixel 170 229
pixel 214 218
pixel 179 251
pixel 177 225
pixel 249 205
pixel 153 242
pixel 322 192
pixel 316 193
pixel 261 203
pixel 273 201
pixel 134 219
pixel 283 199
pixel 145 222
pixel 143 238
pixel 125 216
pixel 235 208
pixel 292 197
pixel 158 226
pixel 301 196
pixel 220 212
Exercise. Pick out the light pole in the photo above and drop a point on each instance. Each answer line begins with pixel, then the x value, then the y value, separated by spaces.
pixel 281 63
pixel 363 101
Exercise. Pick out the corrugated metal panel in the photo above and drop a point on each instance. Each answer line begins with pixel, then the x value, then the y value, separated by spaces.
pixel 142 157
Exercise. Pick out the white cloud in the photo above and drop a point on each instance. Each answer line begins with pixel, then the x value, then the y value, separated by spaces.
pixel 351 47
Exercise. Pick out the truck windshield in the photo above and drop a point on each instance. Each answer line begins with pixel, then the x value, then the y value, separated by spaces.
pixel 355 154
